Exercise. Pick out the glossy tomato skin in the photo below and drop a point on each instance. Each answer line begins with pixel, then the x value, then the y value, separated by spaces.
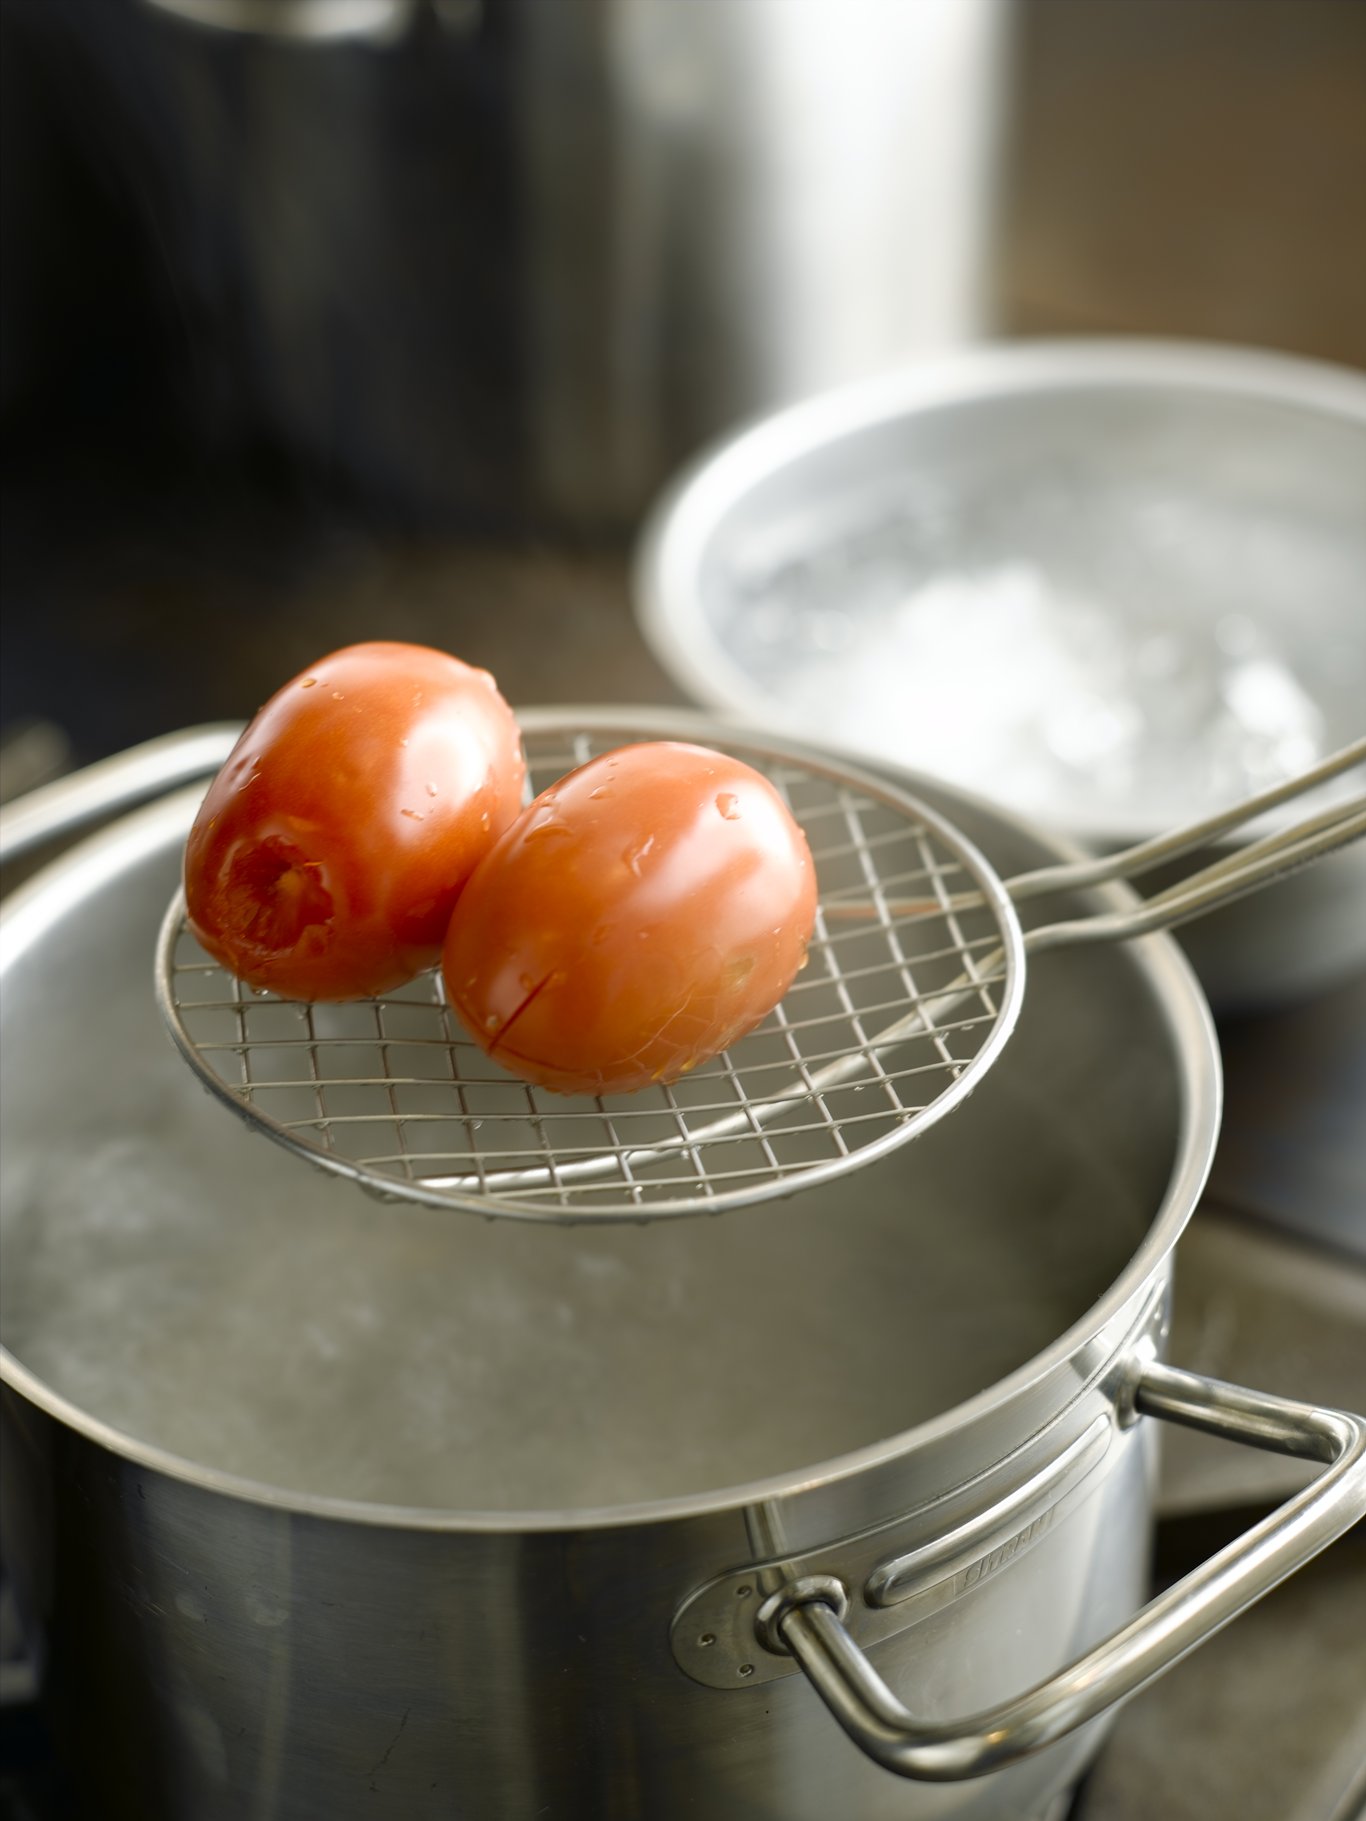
pixel 638 918
pixel 330 849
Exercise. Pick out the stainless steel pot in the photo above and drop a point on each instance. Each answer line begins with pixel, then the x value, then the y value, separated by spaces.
pixel 324 1508
pixel 504 259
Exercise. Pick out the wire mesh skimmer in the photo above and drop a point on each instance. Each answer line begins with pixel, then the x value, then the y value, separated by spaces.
pixel 915 980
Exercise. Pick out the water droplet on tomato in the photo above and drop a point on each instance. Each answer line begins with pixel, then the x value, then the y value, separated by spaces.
pixel 416 814
pixel 634 854
pixel 337 696
pixel 308 683
pixel 601 791
pixel 484 820
pixel 431 790
pixel 491 1022
pixel 729 806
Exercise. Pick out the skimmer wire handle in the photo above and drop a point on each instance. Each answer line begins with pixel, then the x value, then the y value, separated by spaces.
pixel 1231 876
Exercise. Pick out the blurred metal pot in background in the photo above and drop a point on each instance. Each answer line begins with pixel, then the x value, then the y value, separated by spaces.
pixel 785 190
pixel 516 260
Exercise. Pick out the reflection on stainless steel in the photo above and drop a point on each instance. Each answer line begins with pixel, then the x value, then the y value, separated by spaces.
pixel 895 1581
pixel 898 1575
pixel 796 192
pixel 306 21
pixel 1167 1628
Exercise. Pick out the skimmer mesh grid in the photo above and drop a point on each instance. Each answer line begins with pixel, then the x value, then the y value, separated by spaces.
pixel 393 1093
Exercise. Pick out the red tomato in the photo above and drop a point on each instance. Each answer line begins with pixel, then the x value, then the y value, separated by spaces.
pixel 331 847
pixel 641 915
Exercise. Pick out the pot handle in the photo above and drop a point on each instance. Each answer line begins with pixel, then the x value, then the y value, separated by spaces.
pixel 803 1617
pixel 111 784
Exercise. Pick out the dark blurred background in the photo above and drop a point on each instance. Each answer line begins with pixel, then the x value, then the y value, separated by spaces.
pixel 328 319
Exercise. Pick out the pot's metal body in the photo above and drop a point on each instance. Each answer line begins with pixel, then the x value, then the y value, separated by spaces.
pixel 918 1391
pixel 215 1658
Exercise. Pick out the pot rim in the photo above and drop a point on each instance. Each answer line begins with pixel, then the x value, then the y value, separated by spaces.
pixel 100 858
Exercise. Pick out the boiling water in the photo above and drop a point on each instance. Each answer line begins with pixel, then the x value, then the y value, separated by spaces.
pixel 190 1283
